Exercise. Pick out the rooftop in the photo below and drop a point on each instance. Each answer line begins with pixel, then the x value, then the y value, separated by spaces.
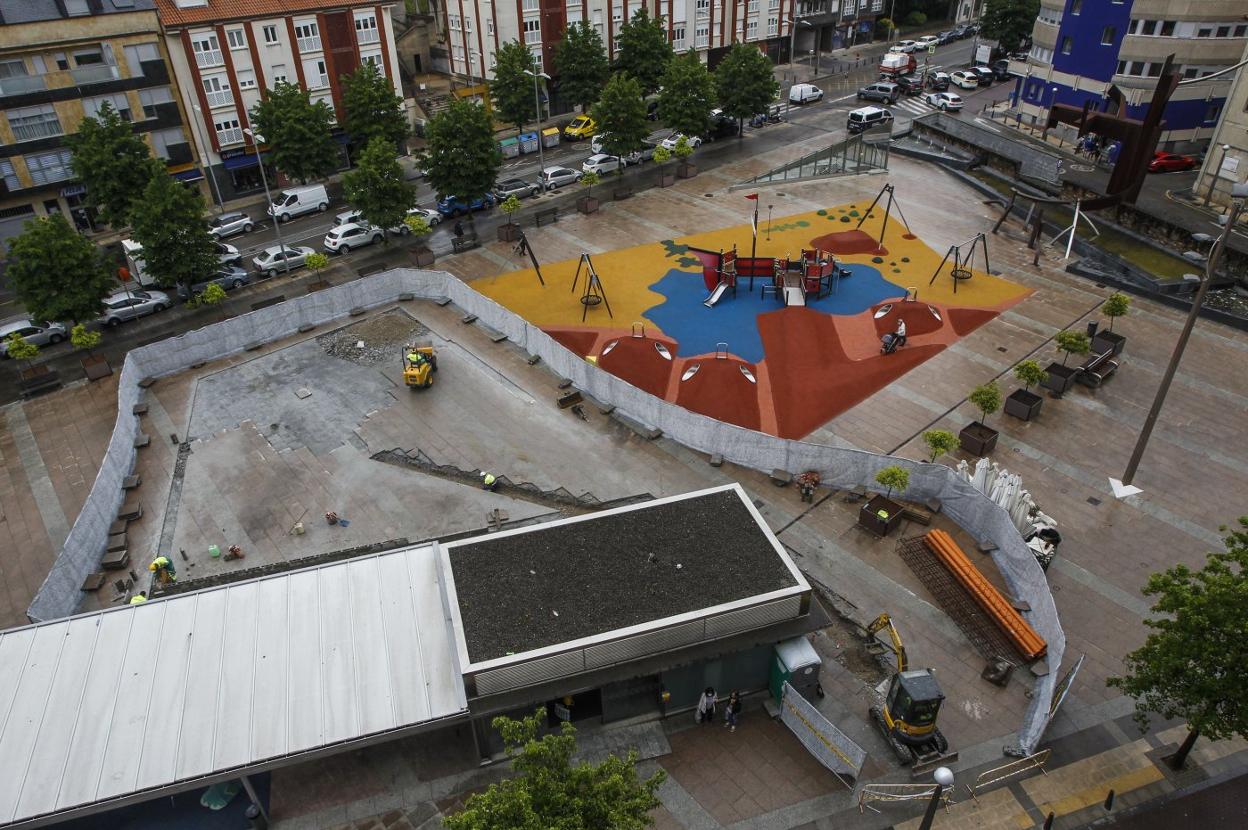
pixel 218 11
pixel 35 11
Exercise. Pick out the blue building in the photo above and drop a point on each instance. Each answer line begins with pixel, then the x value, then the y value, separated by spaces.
pixel 1082 47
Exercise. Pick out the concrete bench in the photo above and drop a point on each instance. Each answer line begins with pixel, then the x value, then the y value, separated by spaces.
pixel 459 244
pixel 545 217
pixel 1097 369
pixel 40 383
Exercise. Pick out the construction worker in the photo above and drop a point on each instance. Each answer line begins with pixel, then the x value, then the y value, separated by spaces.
pixel 164 570
pixel 489 482
pixel 139 598
pixel 416 359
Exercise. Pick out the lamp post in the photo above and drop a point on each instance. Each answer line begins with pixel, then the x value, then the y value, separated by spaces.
pixel 212 177
pixel 537 106
pixel 1124 487
pixel 944 778
pixel 1213 181
pixel 257 139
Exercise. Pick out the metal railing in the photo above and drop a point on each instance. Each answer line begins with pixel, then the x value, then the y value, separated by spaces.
pixel 22 84
pixel 209 57
pixel 854 155
pixel 1006 771
pixel 310 44
pixel 98 74
pixel 901 792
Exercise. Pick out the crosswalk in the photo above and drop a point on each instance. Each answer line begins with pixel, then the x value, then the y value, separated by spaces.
pixel 915 105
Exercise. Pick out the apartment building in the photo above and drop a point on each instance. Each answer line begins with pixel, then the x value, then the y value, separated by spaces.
pixel 60 61
pixel 1081 47
pixel 1226 161
pixel 227 53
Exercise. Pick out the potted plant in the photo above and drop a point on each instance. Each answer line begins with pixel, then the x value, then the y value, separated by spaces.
pixel 939 442
pixel 1060 376
pixel 509 231
pixel 881 514
pixel 86 340
pixel 978 438
pixel 1115 305
pixel 662 156
pixel 683 151
pixel 419 227
pixel 587 203
pixel 1023 403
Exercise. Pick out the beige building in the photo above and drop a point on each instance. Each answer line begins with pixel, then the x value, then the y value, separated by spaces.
pixel 1226 162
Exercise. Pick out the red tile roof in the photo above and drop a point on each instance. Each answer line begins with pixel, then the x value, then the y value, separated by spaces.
pixel 221 11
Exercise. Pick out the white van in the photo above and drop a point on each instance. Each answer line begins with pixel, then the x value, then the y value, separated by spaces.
pixel 804 93
pixel 297 201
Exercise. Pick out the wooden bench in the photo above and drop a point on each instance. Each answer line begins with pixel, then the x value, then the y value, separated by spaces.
pixel 545 217
pixel 459 244
pixel 1097 369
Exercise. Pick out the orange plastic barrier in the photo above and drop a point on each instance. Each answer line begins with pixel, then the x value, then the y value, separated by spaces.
pixel 985 593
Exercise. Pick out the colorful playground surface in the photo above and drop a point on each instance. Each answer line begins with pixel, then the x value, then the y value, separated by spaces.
pixel 783 351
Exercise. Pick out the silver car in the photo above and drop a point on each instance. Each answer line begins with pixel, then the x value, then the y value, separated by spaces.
pixel 128 305
pixel 228 224
pixel 553 177
pixel 276 260
pixel 40 334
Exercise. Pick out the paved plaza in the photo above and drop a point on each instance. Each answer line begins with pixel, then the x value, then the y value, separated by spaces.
pixel 262 458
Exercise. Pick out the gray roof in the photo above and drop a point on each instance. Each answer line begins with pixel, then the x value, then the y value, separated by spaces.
pixel 34 11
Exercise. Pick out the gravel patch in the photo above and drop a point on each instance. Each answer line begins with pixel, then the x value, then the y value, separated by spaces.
pixel 556 584
pixel 383 336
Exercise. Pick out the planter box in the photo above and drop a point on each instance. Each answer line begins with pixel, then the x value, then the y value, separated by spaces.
pixel 96 367
pixel 869 515
pixel 1106 340
pixel 1060 378
pixel 587 204
pixel 686 171
pixel 978 439
pixel 1023 404
pixel 421 255
pixel 667 179
pixel 507 232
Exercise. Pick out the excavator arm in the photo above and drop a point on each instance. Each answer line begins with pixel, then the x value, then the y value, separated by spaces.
pixel 884 621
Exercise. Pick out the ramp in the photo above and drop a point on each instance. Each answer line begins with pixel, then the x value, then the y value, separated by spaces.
pixel 715 295
pixel 830 746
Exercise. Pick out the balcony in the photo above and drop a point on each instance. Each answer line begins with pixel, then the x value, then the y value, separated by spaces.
pixel 220 98
pixel 97 74
pixel 367 35
pixel 309 44
pixel 318 81
pixel 228 137
pixel 208 58
pixel 22 85
pixel 179 154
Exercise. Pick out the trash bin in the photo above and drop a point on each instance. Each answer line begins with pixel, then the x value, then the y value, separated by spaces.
pixel 510 147
pixel 550 137
pixel 528 142
pixel 797 662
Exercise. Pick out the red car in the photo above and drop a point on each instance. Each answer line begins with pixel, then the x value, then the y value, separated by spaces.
pixel 1170 163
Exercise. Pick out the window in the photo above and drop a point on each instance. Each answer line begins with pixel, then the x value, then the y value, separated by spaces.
pixel 1076 6
pixel 162 140
pixel 228 131
pixel 678 39
pixel 1224 31
pixel 773 25
pixel 279 73
pixel 1212 112
pixel 1068 44
pixel 702 7
pixel 1167 28
pixel 453 22
pixel 138 54
pixel 1137 68
pixel 217 91
pixel 1190 72
pixel 77 8
pixel 308 37
pixel 1049 16
pixel 1132 27
pixel 91 106
pixel 10 176
pixel 1240 30
pixel 13 69
pixel 701 36
pixel 270 35
pixel 532 31
pixel 773 5
pixel 374 58
pixel 30 123
pixel 751 30
pixel 1122 67
pixel 314 73
pixel 531 6
pixel 152 98
pixel 752 7
pixel 1148 27
pixel 207 51
pixel 236 38
pixel 1154 70
pixel 246 79
pixel 468 25
pixel 46 168
pixel 88 57
pixel 1204 31
pixel 1107 36
pixel 366 29
pixel 489 23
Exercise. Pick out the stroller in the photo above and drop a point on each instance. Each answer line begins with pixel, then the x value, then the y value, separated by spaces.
pixel 891 342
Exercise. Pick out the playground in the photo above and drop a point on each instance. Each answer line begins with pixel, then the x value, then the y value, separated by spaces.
pixel 780 332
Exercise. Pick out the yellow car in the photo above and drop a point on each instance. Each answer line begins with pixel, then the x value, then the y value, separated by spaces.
pixel 581 127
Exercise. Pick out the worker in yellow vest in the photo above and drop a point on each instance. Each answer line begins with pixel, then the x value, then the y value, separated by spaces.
pixel 489 482
pixel 139 598
pixel 163 568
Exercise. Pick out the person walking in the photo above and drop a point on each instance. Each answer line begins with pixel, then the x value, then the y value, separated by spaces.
pixel 459 228
pixel 731 710
pixel 706 707
pixel 489 482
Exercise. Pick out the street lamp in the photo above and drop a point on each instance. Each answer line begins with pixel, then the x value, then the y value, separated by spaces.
pixel 212 177
pixel 1213 181
pixel 1123 488
pixel 537 106
pixel 944 778
pixel 257 140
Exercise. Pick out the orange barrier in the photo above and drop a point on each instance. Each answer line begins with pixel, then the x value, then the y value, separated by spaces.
pixel 985 593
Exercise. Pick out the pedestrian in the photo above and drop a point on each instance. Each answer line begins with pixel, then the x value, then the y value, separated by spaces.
pixel 459 228
pixel 139 598
pixel 489 482
pixel 1111 155
pixel 706 707
pixel 164 570
pixel 731 710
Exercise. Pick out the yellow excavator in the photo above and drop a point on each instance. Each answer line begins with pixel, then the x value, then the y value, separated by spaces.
pixel 420 362
pixel 907 715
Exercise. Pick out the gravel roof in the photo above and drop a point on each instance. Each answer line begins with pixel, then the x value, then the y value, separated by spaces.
pixel 551 585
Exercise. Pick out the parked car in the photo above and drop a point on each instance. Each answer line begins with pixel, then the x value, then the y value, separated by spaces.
pixel 944 101
pixel 722 126
pixel 938 81
pixel 429 215
pixel 581 127
pixel 347 217
pixel 455 206
pixel 227 278
pixel 1170 162
pixel 964 79
pixel 519 188
pixel 652 109
pixel 805 94
pixel 672 140
pixel 342 239
pixel 556 177
pixel 601 164
pixel 947 36
pixel 277 260
pixel 127 305
pixel 297 201
pixel 646 153
pixel 962 32
pixel 906 46
pixel 986 76
pixel 1001 68
pixel 884 91
pixel 925 41
pixel 228 224
pixel 909 85
pixel 40 334
pixel 861 120
pixel 228 254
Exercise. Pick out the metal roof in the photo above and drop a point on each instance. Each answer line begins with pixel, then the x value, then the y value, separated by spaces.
pixel 120 705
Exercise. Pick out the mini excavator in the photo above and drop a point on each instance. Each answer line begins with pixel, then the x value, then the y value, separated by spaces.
pixel 907 714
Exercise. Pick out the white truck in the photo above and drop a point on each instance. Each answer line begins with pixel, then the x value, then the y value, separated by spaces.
pixel 134 264
pixel 895 64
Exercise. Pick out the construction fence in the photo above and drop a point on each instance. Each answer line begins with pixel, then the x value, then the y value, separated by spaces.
pixel 829 745
pixel 838 468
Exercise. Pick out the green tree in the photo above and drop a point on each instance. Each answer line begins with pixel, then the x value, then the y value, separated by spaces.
pixel 549 792
pixel 169 223
pixel 512 89
pixel 589 180
pixel 112 162
pixel 1191 665
pixel 370 109
pixel 1008 22
pixel 84 338
pixel 417 225
pixel 212 294
pixel 1116 305
pixel 510 206
pixel 317 262
pixel 915 18
pixel 1072 342
pixel 621 116
pixel 297 131
pixel 986 398
pixel 688 95
pixel 582 65
pixel 644 50
pixel 894 478
pixel 56 273
pixel 682 151
pixel 1030 374
pixel 745 83
pixel 20 349
pixel 939 442
pixel 463 159
pixel 376 186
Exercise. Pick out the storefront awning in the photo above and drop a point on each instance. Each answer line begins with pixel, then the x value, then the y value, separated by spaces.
pixel 192 175
pixel 242 161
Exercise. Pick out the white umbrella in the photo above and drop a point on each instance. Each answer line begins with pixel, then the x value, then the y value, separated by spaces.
pixel 964 469
pixel 998 492
pixel 1013 489
pixel 980 479
pixel 1021 514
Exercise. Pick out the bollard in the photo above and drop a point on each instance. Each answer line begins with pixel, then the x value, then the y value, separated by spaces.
pixel 1109 801
pixel 1048 821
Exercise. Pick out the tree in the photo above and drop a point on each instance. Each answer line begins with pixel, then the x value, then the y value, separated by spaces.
pixel 1072 342
pixel 417 224
pixel 169 223
pixel 511 89
pixel 370 109
pixel 112 162
pixel 550 792
pixel 745 83
pixel 986 398
pixel 212 294
pixel 915 18
pixel 317 262
pixel 1008 22
pixel 84 338
pixel 894 478
pixel 463 159
pixel 1192 663
pixel 682 151
pixel 510 206
pixel 1116 305
pixel 56 273
pixel 644 49
pixel 1030 374
pixel 297 132
pixel 377 188
pixel 688 95
pixel 589 180
pixel 582 65
pixel 939 442
pixel 20 349
pixel 621 116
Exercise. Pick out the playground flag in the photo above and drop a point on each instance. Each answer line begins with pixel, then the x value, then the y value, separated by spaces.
pixel 754 219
